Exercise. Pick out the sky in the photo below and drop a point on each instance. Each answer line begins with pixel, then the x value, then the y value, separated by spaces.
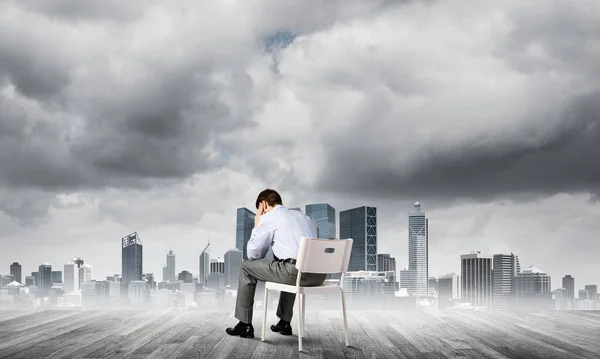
pixel 164 118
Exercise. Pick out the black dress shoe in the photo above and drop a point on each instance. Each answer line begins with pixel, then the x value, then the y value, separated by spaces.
pixel 242 329
pixel 282 327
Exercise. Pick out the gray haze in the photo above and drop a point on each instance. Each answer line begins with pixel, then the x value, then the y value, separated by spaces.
pixel 164 119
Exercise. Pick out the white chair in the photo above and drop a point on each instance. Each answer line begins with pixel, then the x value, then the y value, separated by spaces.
pixel 315 256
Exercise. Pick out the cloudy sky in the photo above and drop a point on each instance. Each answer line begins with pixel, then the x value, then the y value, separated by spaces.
pixel 165 118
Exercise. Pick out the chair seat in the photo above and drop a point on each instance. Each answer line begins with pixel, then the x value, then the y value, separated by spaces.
pixel 324 288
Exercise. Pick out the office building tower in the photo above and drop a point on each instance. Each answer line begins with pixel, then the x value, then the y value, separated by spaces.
pixel 71 278
pixel 15 271
pixel 45 279
pixel 165 272
pixel 324 216
pixel 185 276
pixel 86 272
pixel 449 289
pixel 79 262
pixel 217 266
pixel 131 258
pixel 386 263
pixel 568 283
pixel 418 249
pixel 583 295
pixel 233 263
pixel 29 281
pixel 170 267
pixel 592 289
pixel 57 277
pixel 532 282
pixel 36 278
pixel 243 229
pixel 503 280
pixel 432 285
pixel 476 273
pixel 408 281
pixel 204 267
pixel 360 224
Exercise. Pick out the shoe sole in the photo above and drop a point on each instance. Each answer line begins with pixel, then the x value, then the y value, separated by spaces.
pixel 282 333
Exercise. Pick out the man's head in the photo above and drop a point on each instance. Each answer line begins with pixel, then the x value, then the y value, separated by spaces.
pixel 270 198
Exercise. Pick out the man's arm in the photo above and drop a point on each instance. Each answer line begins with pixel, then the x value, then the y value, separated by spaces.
pixel 260 241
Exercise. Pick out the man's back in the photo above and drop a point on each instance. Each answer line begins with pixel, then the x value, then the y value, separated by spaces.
pixel 282 229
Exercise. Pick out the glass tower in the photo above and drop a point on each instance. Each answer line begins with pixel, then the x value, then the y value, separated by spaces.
pixel 243 229
pixel 418 249
pixel 360 224
pixel 503 280
pixel 131 258
pixel 324 216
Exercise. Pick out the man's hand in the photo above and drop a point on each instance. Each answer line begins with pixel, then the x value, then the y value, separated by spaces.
pixel 261 211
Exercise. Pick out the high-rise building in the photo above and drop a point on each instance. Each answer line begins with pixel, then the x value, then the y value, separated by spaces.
pixel 583 295
pixel 170 267
pixel 185 276
pixel 15 271
pixel 503 280
pixel 85 272
pixel 71 278
pixel 233 263
pixel 386 263
pixel 45 279
pixel 418 249
pixel 449 288
pixel 79 262
pixel 165 274
pixel 568 283
pixel 217 266
pixel 407 280
pixel 593 291
pixel 532 282
pixel 204 267
pixel 360 224
pixel 476 275
pixel 131 258
pixel 324 216
pixel 57 277
pixel 36 278
pixel 243 229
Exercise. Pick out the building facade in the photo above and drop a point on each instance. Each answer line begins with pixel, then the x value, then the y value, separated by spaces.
pixel 418 249
pixel 243 229
pixel 324 216
pixel 360 224
pixel 45 279
pixel 476 276
pixel 449 289
pixel 16 272
pixel 131 258
pixel 233 263
pixel 568 282
pixel 171 277
pixel 503 280
pixel 386 263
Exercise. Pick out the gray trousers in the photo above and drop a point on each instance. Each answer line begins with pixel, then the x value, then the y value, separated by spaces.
pixel 270 271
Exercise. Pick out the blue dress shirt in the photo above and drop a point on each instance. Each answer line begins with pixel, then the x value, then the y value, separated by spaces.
pixel 281 229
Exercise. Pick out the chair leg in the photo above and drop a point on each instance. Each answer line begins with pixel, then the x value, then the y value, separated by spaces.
pixel 303 313
pixel 300 324
pixel 345 318
pixel 265 314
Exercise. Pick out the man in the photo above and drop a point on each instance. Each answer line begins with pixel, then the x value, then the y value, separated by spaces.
pixel 278 228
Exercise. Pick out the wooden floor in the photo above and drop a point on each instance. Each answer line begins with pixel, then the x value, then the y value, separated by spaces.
pixel 373 334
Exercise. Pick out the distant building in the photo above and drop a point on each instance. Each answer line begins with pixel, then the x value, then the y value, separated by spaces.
pixel 369 289
pixel 476 275
pixel 432 285
pixel 592 289
pixel 16 271
pixel 533 281
pixel 217 266
pixel 57 277
pixel 86 271
pixel 216 280
pixel 71 278
pixel 449 289
pixel 583 295
pixel 360 224
pixel 185 276
pixel 79 263
pixel 170 267
pixel 243 229
pixel 504 280
pixel 131 258
pixel 324 216
pixel 418 249
pixel 568 283
pixel 408 281
pixel 386 263
pixel 45 279
pixel 233 263
pixel 204 268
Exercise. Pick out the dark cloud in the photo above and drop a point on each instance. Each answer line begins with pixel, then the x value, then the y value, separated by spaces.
pixel 73 10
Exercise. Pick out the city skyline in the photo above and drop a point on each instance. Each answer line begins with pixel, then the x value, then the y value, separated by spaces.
pixel 483 113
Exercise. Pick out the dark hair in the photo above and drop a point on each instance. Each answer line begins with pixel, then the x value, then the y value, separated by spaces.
pixel 270 196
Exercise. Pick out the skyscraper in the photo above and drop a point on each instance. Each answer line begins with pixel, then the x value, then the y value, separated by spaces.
pixel 131 258
pixel 568 283
pixel 15 270
pixel 476 273
pixel 71 278
pixel 86 272
pixel 45 279
pixel 57 277
pixel 171 267
pixel 449 288
pixel 532 282
pixel 203 266
pixel 418 248
pixel 233 263
pixel 243 229
pixel 593 291
pixel 360 224
pixel 79 262
pixel 324 216
pixel 217 266
pixel 386 263
pixel 503 280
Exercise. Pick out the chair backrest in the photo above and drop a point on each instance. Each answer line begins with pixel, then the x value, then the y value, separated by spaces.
pixel 323 255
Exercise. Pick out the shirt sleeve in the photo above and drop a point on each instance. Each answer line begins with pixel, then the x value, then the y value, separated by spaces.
pixel 260 241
